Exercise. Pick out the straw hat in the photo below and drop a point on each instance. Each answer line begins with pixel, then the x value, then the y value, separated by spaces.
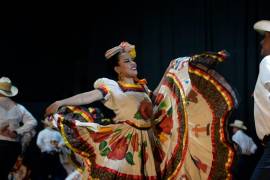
pixel 262 26
pixel 239 124
pixel 6 87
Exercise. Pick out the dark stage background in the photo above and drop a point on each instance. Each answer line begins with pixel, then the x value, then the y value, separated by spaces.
pixel 54 52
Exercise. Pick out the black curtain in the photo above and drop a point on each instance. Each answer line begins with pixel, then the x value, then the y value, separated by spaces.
pixel 51 52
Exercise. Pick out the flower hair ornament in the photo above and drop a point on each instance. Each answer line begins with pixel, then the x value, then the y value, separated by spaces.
pixel 123 47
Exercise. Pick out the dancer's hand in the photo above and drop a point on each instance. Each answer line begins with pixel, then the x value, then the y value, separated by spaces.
pixel 171 65
pixel 53 108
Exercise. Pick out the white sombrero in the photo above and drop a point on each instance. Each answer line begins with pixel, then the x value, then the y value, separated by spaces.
pixel 262 26
pixel 238 124
pixel 6 88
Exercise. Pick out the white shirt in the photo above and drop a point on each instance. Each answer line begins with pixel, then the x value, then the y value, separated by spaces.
pixel 262 99
pixel 13 115
pixel 46 139
pixel 245 143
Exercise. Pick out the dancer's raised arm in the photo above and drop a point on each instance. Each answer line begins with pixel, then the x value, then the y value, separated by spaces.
pixel 79 99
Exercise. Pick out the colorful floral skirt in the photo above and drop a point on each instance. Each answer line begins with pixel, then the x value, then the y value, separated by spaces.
pixel 186 140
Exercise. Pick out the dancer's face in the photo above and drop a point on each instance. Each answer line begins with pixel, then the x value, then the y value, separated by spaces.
pixel 127 68
pixel 265 43
pixel 235 129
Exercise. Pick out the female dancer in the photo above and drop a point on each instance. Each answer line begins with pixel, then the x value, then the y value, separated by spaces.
pixel 176 132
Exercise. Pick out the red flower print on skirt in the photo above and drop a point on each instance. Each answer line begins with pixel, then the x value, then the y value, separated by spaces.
pixel 119 149
pixel 146 109
pixel 144 154
pixel 166 124
pixel 135 142
pixel 100 136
